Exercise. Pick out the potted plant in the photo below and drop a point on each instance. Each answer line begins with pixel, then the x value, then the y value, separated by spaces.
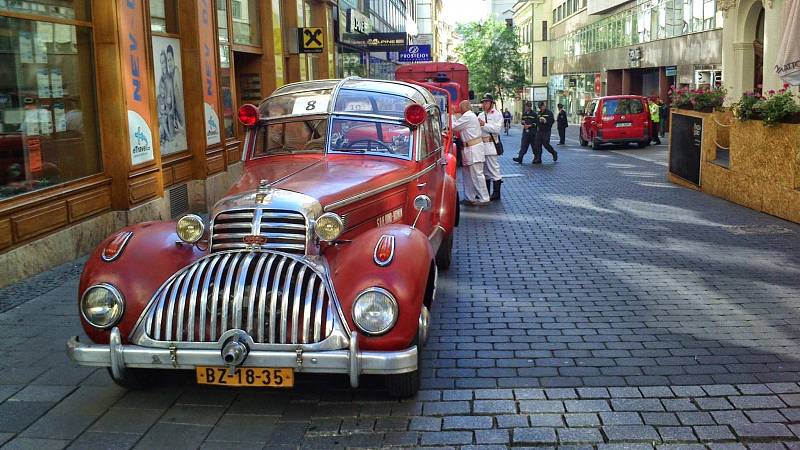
pixel 747 106
pixel 779 107
pixel 703 99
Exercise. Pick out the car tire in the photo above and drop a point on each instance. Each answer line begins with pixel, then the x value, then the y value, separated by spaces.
pixel 582 141
pixel 595 144
pixel 643 144
pixel 406 385
pixel 444 254
pixel 136 379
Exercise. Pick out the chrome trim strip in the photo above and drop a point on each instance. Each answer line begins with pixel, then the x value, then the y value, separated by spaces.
pixel 182 301
pixel 298 288
pixel 365 194
pixel 273 304
pixel 285 300
pixel 226 293
pixel 215 295
pixel 254 290
pixel 193 299
pixel 262 297
pixel 238 293
pixel 173 293
pixel 318 312
pixel 307 309
pixel 204 296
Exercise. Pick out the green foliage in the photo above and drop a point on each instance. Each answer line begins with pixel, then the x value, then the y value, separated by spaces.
pixel 489 51
pixel 776 107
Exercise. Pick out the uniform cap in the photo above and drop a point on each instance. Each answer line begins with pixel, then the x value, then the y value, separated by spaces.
pixel 487 97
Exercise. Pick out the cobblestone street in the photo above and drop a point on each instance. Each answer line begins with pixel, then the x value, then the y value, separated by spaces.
pixel 597 305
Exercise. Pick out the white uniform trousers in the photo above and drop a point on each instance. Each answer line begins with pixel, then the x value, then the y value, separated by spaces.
pixel 492 168
pixel 475 183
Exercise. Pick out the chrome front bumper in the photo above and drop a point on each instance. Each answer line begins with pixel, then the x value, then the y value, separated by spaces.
pixel 352 361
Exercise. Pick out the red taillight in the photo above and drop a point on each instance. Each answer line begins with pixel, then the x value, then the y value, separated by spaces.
pixel 248 114
pixel 116 246
pixel 384 250
pixel 415 114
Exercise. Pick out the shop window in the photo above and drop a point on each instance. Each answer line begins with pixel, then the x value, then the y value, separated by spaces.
pixel 544 30
pixel 246 24
pixel 61 9
pixel 225 84
pixel 164 16
pixel 48 110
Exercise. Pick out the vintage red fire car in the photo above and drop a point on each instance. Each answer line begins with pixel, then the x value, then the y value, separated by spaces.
pixel 323 257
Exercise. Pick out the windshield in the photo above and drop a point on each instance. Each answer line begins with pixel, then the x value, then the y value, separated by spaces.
pixel 362 136
pixel 622 106
pixel 297 136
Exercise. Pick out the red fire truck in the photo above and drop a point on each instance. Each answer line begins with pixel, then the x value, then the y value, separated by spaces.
pixel 451 77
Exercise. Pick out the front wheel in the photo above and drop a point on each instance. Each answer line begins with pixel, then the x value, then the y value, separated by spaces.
pixel 583 141
pixel 595 144
pixel 643 144
pixel 405 385
pixel 445 252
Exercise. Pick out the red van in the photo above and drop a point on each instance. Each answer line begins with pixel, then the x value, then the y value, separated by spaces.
pixel 616 119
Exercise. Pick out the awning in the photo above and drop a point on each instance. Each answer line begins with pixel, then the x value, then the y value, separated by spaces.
pixel 787 66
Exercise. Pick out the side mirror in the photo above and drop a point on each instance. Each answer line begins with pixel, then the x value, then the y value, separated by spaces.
pixel 472 95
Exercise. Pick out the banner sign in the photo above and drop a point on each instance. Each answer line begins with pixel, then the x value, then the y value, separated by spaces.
pixel 208 69
pixel 416 53
pixel 134 76
pixel 387 42
pixel 311 39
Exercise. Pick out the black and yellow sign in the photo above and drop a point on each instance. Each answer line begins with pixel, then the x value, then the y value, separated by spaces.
pixel 310 40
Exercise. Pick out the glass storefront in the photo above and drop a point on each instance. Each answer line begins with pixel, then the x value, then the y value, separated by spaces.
pixel 225 56
pixel 49 130
pixel 244 15
pixel 648 21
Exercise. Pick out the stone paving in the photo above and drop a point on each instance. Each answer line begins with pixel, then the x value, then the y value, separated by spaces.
pixel 597 306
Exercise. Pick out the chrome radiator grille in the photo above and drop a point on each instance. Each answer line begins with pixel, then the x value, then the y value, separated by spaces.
pixel 275 298
pixel 284 230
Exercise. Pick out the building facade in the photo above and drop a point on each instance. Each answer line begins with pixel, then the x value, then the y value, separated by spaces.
pixel 532 23
pixel 502 10
pixel 637 47
pixel 121 111
pixel 429 26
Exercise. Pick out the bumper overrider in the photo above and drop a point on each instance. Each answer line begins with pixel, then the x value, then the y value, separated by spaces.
pixel 351 361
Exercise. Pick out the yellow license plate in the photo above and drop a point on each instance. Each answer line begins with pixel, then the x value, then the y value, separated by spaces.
pixel 246 376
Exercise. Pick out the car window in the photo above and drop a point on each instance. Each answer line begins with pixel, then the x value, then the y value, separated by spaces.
pixel 350 100
pixel 297 136
pixel 363 136
pixel 590 109
pixel 622 106
pixel 436 132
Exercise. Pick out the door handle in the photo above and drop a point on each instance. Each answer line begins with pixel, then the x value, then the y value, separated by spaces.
pixel 421 185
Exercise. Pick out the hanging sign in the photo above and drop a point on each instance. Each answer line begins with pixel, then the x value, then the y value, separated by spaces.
pixel 311 39
pixel 416 53
pixel 134 76
pixel 208 71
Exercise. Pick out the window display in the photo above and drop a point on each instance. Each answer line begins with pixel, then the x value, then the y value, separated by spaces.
pixel 48 131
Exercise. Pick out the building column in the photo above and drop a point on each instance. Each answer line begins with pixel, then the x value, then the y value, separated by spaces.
pixel 626 81
pixel 322 16
pixel 273 70
pixel 614 82
pixel 773 32
pixel 663 84
pixel 743 54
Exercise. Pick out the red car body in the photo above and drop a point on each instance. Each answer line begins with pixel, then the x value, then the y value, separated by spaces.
pixel 263 278
pixel 616 119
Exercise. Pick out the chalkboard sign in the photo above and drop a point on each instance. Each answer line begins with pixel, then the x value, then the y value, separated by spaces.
pixel 685 144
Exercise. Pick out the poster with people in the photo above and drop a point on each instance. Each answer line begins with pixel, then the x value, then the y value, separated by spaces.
pixel 169 94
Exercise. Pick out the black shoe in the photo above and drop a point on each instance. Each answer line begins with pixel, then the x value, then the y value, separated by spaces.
pixel 658 142
pixel 537 161
pixel 555 156
pixel 517 160
pixel 489 187
pixel 496 190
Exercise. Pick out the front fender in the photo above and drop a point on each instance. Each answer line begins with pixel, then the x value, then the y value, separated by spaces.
pixel 353 270
pixel 149 259
pixel 449 212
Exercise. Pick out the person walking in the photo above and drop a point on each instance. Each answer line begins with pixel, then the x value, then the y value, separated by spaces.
pixel 466 122
pixel 529 121
pixel 655 118
pixel 546 121
pixel 663 113
pixel 561 124
pixel 491 121
pixel 506 120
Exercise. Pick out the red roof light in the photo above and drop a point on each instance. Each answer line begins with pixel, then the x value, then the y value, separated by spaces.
pixel 415 114
pixel 248 114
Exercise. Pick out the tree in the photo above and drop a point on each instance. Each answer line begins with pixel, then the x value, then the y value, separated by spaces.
pixel 489 50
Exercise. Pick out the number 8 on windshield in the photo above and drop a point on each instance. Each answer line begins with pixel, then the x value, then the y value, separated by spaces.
pixel 311 104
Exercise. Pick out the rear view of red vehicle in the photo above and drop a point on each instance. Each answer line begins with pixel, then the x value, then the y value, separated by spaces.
pixel 617 119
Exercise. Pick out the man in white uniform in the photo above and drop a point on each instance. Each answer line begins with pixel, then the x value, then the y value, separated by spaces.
pixel 475 192
pixel 491 121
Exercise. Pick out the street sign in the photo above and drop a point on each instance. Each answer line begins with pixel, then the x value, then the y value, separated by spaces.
pixel 671 71
pixel 310 39
pixel 416 53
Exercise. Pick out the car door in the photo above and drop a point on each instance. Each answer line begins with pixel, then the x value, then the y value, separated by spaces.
pixel 430 181
pixel 588 121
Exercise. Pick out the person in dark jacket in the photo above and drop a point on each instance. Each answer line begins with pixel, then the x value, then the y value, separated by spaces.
pixel 561 124
pixel 663 112
pixel 546 121
pixel 529 122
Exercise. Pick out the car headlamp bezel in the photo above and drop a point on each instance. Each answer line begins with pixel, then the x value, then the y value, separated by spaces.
pixel 395 310
pixel 179 228
pixel 118 299
pixel 337 220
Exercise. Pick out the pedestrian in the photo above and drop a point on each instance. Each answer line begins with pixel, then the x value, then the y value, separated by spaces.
pixel 529 121
pixel 466 123
pixel 655 118
pixel 663 113
pixel 544 129
pixel 506 120
pixel 491 121
pixel 562 125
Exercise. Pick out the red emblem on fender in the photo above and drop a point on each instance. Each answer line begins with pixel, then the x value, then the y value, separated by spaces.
pixel 254 240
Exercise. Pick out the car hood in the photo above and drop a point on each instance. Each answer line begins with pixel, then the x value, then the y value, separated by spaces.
pixel 327 178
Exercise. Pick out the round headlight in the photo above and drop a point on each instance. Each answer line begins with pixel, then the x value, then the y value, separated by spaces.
pixel 375 311
pixel 329 226
pixel 190 228
pixel 102 305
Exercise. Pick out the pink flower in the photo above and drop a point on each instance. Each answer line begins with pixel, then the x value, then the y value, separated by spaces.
pixel 772 92
pixel 785 85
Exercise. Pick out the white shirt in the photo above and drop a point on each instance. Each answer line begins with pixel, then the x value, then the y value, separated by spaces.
pixel 470 128
pixel 493 124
